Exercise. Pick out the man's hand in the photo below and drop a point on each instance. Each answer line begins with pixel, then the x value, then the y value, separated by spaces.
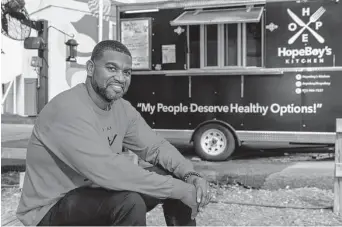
pixel 189 199
pixel 202 190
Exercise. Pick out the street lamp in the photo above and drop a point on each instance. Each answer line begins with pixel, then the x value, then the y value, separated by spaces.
pixel 72 50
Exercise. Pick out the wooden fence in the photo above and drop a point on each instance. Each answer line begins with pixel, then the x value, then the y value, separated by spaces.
pixel 338 169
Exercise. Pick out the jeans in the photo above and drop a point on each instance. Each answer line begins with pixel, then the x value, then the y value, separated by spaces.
pixel 86 206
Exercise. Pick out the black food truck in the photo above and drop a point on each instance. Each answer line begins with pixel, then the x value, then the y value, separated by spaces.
pixel 220 73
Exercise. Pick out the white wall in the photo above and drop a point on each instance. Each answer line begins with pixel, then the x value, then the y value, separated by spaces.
pixel 16 62
pixel 60 14
pixel 59 18
pixel 11 62
pixel 27 72
pixel 61 77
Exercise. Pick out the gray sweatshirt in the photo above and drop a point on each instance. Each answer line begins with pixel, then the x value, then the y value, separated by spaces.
pixel 74 143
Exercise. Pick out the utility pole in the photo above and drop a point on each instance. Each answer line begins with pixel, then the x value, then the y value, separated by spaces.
pixel 100 20
pixel 43 53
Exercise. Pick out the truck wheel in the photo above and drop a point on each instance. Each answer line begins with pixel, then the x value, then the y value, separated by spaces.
pixel 214 142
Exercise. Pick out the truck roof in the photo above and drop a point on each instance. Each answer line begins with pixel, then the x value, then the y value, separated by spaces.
pixel 188 4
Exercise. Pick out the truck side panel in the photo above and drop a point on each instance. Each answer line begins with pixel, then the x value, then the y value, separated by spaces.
pixel 301 100
pixel 157 98
pixel 163 34
pixel 210 99
pixel 324 89
pixel 289 102
pixel 275 97
pixel 290 44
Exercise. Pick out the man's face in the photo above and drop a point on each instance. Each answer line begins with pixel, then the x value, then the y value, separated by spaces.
pixel 111 75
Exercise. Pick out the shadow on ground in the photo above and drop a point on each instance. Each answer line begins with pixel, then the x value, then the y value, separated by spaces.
pixel 323 153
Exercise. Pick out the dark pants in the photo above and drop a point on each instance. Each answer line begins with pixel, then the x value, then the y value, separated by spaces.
pixel 101 207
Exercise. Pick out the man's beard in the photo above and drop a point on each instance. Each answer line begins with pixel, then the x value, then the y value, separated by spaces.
pixel 102 92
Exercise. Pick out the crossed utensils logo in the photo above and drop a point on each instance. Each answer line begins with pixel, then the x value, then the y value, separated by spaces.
pixel 313 18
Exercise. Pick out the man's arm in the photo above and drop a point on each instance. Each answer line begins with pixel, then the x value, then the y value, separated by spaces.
pixel 149 146
pixel 77 143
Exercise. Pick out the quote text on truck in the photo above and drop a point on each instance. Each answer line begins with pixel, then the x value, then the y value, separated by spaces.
pixel 233 108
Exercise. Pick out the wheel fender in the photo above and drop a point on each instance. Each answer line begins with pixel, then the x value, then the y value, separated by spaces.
pixel 225 124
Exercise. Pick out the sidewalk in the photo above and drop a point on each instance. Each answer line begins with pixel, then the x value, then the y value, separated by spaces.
pixel 16 119
pixel 252 173
pixel 13 132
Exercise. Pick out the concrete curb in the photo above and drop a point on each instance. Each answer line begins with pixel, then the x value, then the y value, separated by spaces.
pixel 13 153
pixel 251 175
pixel 294 175
pixel 13 132
pixel 303 174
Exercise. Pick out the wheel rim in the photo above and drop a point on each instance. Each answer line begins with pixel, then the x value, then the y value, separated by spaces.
pixel 213 142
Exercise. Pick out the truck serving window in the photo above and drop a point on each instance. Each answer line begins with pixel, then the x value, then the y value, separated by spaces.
pixel 224 37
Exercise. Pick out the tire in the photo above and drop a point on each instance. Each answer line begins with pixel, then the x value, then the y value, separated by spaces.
pixel 214 142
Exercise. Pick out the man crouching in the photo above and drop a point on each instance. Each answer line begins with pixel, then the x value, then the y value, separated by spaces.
pixel 76 173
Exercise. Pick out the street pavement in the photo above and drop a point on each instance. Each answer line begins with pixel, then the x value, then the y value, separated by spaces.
pixel 254 173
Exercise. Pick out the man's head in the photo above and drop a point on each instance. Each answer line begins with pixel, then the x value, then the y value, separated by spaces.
pixel 110 69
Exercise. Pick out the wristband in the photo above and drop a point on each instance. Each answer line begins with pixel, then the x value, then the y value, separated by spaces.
pixel 191 174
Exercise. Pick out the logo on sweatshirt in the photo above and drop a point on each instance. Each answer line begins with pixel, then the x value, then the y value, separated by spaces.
pixel 111 137
pixel 111 140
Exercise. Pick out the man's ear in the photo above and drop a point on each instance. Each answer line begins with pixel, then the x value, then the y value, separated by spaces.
pixel 90 68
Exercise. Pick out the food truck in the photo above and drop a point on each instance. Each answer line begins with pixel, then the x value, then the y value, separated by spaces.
pixel 221 73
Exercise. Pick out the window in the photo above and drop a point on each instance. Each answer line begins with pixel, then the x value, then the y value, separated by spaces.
pixel 194 46
pixel 223 45
pixel 228 37
pixel 253 39
pixel 230 45
pixel 211 45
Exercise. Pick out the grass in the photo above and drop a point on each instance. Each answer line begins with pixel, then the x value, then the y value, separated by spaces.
pixel 224 213
pixel 231 209
pixel 9 200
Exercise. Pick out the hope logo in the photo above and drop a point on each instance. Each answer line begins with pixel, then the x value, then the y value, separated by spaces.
pixel 299 26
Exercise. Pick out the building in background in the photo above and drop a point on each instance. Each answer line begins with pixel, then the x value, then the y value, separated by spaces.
pixel 68 17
